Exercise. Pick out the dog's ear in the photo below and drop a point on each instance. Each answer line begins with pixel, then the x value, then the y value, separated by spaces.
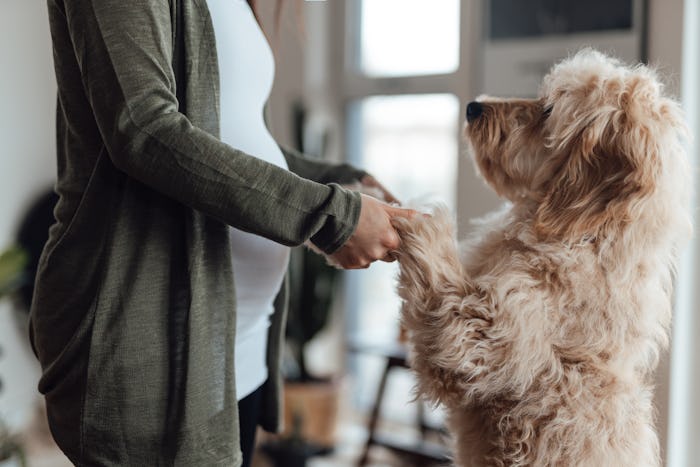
pixel 604 171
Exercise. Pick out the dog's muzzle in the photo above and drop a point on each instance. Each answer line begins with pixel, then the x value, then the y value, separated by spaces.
pixel 474 111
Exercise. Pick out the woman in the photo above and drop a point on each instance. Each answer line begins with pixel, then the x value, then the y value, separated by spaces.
pixel 134 317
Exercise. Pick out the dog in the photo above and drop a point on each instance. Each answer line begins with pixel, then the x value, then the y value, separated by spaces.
pixel 540 332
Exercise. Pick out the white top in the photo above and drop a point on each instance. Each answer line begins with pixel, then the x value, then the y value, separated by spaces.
pixel 246 72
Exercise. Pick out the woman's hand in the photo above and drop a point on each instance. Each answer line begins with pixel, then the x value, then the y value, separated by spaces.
pixel 374 238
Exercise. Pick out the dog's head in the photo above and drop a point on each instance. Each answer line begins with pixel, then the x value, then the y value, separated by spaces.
pixel 587 153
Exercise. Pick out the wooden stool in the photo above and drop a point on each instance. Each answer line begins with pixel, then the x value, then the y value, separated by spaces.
pixel 420 452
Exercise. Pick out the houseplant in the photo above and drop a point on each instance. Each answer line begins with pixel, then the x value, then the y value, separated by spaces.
pixel 311 401
pixel 12 275
pixel 13 262
pixel 312 286
pixel 11 452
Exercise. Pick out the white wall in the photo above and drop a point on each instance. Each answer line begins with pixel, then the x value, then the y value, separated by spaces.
pixel 684 429
pixel 665 48
pixel 27 167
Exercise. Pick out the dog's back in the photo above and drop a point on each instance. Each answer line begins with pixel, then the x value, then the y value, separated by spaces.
pixel 582 341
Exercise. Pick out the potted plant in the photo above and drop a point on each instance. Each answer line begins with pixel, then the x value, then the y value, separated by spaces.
pixel 11 452
pixel 13 262
pixel 311 401
pixel 291 450
pixel 12 275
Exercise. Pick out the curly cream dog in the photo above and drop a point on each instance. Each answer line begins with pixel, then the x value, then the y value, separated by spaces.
pixel 540 333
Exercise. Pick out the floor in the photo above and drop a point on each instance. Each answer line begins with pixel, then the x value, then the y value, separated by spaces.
pixel 351 435
pixel 351 438
pixel 42 452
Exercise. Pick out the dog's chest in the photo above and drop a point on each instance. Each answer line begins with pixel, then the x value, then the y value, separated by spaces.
pixel 491 253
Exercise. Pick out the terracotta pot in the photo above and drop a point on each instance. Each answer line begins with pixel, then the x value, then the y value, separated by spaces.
pixel 316 404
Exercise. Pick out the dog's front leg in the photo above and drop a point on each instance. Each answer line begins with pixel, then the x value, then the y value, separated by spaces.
pixel 447 316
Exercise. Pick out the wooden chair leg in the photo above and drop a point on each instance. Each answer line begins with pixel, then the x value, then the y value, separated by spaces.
pixel 374 417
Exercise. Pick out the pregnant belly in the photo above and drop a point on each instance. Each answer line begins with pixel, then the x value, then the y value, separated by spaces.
pixel 259 266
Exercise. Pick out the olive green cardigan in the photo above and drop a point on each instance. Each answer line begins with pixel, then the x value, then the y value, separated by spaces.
pixel 133 318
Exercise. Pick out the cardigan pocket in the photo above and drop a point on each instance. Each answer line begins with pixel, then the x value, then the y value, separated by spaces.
pixel 78 211
pixel 69 274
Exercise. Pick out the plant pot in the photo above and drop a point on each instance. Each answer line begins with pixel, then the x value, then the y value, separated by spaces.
pixel 316 403
pixel 288 452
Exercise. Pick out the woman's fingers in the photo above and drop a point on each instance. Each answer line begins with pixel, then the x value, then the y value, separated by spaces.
pixel 374 237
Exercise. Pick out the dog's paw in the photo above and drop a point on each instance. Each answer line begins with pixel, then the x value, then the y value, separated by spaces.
pixel 428 246
pixel 432 232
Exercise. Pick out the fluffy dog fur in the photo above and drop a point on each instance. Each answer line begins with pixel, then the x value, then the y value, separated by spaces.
pixel 540 334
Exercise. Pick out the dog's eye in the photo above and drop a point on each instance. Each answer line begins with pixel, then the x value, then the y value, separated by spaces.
pixel 547 110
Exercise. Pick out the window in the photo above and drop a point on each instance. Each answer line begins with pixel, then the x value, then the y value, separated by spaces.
pixel 410 143
pixel 403 90
pixel 408 37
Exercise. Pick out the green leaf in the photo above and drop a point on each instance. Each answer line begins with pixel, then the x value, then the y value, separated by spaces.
pixel 13 262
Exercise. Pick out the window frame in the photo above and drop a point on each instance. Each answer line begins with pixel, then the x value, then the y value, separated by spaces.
pixel 349 86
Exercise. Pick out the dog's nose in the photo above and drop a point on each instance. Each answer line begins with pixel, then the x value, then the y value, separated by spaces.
pixel 474 110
